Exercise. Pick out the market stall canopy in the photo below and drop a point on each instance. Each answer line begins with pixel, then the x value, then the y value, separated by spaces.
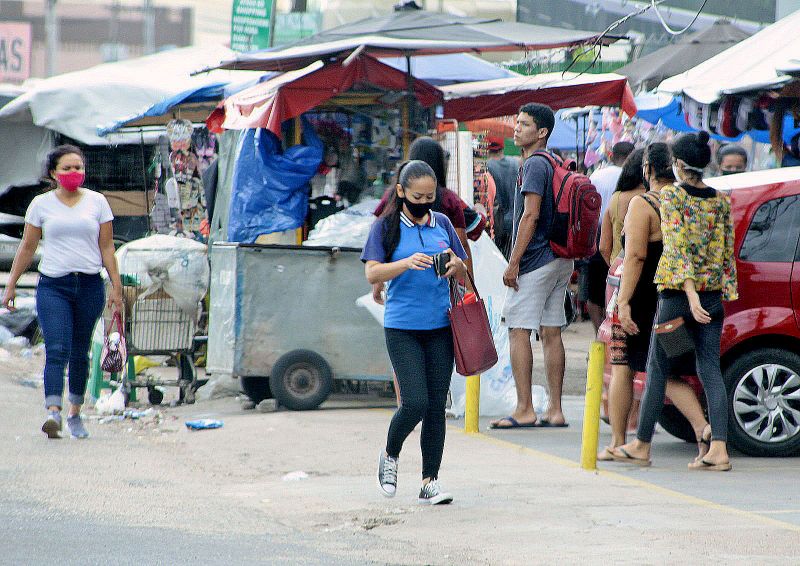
pixel 450 69
pixel 502 97
pixel 415 32
pixel 647 72
pixel 186 101
pixel 75 104
pixel 288 95
pixel 751 65
pixel 435 69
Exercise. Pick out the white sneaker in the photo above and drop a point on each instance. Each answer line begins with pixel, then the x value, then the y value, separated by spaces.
pixel 432 494
pixel 387 474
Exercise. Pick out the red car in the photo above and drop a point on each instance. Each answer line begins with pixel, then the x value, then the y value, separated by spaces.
pixel 760 349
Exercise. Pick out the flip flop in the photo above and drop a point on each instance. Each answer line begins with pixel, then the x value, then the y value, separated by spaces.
pixel 606 455
pixel 702 465
pixel 628 458
pixel 514 424
pixel 547 424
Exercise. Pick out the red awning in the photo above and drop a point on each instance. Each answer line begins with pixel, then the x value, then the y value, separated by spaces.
pixel 503 97
pixel 287 96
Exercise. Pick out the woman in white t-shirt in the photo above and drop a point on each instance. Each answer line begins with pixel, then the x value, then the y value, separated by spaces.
pixel 74 225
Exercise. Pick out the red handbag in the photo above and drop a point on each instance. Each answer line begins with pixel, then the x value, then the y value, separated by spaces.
pixel 472 335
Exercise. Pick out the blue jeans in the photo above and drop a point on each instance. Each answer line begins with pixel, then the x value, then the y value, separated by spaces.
pixel 68 309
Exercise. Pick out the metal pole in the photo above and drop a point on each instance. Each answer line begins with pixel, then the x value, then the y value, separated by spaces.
pixel 149 27
pixel 473 403
pixel 51 30
pixel 273 15
pixel 591 410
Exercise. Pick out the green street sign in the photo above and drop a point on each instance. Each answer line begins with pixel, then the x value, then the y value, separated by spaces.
pixel 250 24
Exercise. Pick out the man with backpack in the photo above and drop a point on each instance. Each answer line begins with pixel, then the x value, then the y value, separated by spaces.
pixel 503 170
pixel 550 229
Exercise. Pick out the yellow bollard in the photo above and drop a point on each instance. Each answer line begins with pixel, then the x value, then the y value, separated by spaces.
pixel 473 402
pixel 591 411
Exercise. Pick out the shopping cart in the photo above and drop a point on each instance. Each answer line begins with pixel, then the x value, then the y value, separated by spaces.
pixel 155 325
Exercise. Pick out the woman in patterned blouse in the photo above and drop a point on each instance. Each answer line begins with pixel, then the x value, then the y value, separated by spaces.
pixel 697 271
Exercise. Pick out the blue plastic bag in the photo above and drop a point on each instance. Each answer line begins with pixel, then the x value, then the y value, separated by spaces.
pixel 270 188
pixel 203 424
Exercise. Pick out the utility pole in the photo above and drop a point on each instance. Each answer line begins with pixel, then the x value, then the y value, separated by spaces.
pixel 51 31
pixel 273 15
pixel 149 27
pixel 441 5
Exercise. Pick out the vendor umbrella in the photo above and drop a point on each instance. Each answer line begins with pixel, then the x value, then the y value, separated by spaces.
pixel 647 72
pixel 414 32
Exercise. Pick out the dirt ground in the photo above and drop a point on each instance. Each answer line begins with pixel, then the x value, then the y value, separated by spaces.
pixel 310 478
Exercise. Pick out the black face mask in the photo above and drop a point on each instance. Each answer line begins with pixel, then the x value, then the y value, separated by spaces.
pixel 418 209
pixel 730 172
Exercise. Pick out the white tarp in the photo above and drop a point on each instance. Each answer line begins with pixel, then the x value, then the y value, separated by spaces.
pixel 23 149
pixel 752 64
pixel 75 104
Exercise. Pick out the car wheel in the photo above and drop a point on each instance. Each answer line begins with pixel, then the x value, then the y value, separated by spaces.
pixel 764 402
pixel 301 380
pixel 673 421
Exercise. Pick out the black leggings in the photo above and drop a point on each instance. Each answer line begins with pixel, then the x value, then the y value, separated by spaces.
pixel 423 362
pixel 706 338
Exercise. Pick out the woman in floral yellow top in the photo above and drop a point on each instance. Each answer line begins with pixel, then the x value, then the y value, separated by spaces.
pixel 697 271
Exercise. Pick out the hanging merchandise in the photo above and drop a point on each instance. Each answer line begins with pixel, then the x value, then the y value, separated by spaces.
pixel 188 184
pixel 159 215
pixel 205 146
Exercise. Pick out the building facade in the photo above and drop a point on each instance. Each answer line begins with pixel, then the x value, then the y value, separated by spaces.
pixel 93 33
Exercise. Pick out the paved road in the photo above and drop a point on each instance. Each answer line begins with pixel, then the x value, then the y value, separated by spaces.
pixel 763 486
pixel 30 535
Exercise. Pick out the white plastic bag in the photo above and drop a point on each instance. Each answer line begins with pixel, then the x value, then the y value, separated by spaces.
pixel 111 404
pixel 179 266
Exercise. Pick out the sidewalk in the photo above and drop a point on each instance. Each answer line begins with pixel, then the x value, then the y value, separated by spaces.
pixel 513 505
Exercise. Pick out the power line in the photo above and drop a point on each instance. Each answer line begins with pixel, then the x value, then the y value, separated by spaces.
pixel 668 29
pixel 598 45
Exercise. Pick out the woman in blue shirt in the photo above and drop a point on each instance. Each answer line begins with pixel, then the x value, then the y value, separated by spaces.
pixel 400 250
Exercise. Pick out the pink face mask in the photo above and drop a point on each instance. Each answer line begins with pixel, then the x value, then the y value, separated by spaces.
pixel 71 180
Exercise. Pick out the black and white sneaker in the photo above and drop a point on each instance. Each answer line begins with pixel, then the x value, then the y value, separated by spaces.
pixel 387 474
pixel 432 494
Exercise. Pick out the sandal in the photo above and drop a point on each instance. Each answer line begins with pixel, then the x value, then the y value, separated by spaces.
pixel 606 455
pixel 703 443
pixel 626 457
pixel 702 465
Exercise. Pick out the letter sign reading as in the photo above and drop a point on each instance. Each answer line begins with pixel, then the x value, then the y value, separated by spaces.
pixel 15 51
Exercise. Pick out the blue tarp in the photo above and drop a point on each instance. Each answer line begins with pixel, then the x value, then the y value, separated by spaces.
pixel 269 191
pixel 563 136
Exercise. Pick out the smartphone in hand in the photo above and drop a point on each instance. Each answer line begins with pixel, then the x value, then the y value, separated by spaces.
pixel 440 262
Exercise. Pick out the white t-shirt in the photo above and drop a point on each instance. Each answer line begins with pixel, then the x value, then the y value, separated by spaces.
pixel 69 234
pixel 605 180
